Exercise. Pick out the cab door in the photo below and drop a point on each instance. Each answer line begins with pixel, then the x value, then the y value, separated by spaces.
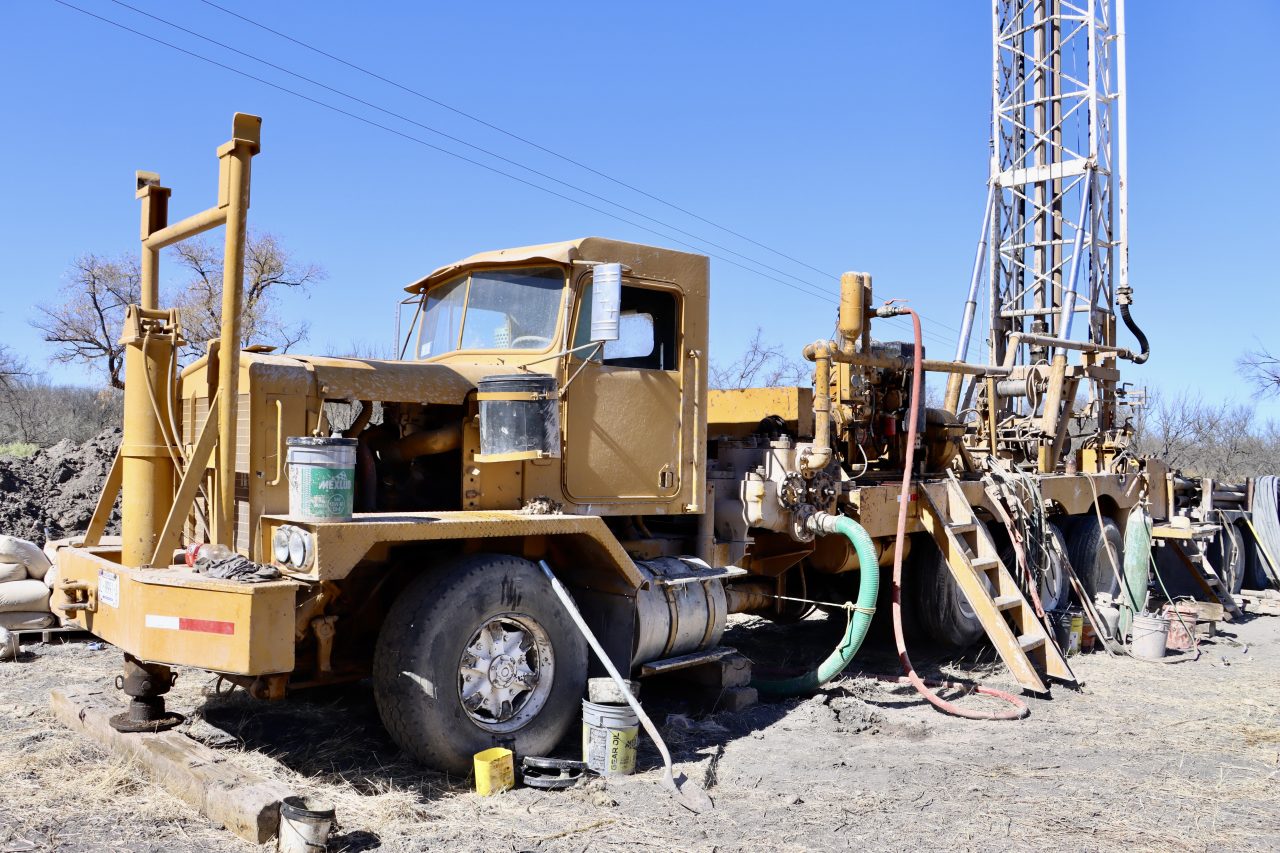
pixel 623 410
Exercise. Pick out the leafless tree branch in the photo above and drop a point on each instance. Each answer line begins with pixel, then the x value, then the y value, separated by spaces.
pixel 1261 368
pixel 85 326
pixel 760 365
pixel 269 269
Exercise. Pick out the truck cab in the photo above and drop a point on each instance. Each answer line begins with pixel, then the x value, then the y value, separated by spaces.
pixel 633 409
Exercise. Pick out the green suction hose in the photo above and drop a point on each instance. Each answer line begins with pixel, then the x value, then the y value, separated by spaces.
pixel 860 621
pixel 1137 557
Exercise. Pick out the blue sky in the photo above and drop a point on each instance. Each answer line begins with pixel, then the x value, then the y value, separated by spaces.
pixel 846 135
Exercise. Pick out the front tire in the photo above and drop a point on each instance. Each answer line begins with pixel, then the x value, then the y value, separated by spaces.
pixel 479 654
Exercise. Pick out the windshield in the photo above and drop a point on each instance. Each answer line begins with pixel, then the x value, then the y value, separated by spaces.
pixel 491 309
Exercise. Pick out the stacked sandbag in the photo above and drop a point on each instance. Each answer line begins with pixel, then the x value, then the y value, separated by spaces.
pixel 25 585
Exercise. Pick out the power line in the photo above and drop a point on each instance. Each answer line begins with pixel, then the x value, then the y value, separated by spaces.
pixel 564 157
pixel 806 289
pixel 459 141
pixel 512 135
pixel 438 148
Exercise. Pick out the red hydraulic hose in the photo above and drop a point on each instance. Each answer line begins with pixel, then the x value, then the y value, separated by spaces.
pixel 1020 708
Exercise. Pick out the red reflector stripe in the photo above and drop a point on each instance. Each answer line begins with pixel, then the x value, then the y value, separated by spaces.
pixel 206 626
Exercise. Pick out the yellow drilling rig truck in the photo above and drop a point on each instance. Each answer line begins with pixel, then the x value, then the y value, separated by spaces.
pixel 552 408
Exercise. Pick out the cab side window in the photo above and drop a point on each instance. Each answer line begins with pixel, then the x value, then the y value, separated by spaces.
pixel 647 329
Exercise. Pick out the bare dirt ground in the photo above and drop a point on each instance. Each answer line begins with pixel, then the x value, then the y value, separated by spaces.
pixel 1173 757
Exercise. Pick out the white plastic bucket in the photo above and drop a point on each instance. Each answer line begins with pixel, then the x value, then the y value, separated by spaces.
pixel 304 826
pixel 322 478
pixel 609 735
pixel 1150 637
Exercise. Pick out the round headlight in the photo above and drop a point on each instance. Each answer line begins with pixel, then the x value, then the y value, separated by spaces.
pixel 280 544
pixel 299 548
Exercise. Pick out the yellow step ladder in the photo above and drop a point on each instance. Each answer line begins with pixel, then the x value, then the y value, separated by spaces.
pixel 1022 640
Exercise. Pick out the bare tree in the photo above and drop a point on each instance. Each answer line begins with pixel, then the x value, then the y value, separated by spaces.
pixel 12 368
pixel 269 270
pixel 35 411
pixel 363 349
pixel 760 365
pixel 1262 368
pixel 85 326
pixel 1221 440
pixel 13 375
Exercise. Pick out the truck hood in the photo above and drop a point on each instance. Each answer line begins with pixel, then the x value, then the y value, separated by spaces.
pixel 370 379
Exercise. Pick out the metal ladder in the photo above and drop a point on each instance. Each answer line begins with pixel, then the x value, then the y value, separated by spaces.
pixel 1011 623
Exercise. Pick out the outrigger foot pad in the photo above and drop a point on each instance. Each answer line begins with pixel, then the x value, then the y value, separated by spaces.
pixel 145 684
pixel 146 715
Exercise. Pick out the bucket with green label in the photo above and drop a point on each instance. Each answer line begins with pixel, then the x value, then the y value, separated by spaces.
pixel 322 478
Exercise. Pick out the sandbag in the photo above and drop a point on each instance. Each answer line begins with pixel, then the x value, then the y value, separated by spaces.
pixel 12 572
pixel 25 621
pixel 15 550
pixel 25 595
pixel 51 577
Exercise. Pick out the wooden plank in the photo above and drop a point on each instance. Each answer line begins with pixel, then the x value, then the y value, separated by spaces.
pixel 660 667
pixel 243 803
pixel 106 502
pixel 1166 531
pixel 729 671
pixel 197 465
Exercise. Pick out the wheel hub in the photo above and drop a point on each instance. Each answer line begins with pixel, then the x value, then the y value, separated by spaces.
pixel 502 671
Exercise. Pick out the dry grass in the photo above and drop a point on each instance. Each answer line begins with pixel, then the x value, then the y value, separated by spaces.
pixel 1180 757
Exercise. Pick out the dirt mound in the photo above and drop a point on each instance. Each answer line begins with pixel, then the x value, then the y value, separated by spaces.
pixel 53 493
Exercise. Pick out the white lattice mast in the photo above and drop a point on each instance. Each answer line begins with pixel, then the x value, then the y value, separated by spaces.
pixel 1053 242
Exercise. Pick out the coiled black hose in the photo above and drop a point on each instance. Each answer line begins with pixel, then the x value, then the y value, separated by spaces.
pixel 1137 333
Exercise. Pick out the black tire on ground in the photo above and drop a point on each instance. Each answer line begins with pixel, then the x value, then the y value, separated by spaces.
pixel 1230 557
pixel 942 610
pixel 1055 590
pixel 1087 550
pixel 428 638
pixel 1057 581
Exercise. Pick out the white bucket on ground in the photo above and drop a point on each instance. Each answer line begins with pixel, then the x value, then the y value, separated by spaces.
pixel 609 735
pixel 322 478
pixel 1150 637
pixel 304 826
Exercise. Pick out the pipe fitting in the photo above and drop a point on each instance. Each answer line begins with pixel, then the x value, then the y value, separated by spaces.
pixel 824 523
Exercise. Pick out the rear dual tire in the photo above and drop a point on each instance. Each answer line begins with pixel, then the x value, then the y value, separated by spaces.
pixel 1091 546
pixel 943 610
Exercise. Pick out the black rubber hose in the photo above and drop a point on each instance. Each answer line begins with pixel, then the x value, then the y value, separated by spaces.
pixel 1137 333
